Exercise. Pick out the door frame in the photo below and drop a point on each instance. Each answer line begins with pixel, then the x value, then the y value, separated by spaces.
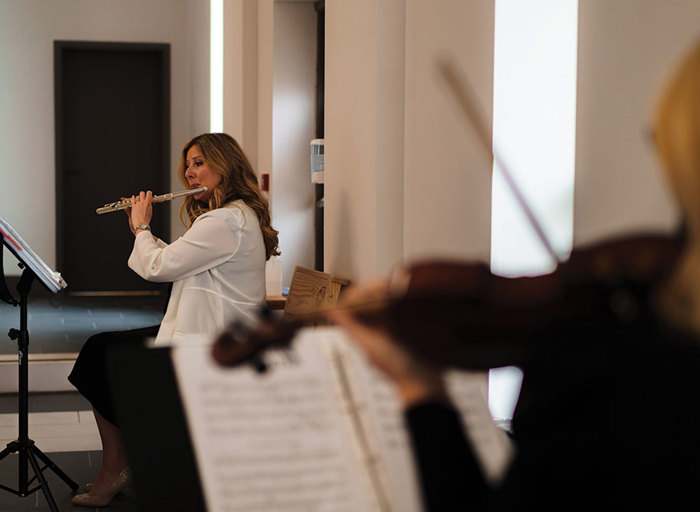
pixel 60 47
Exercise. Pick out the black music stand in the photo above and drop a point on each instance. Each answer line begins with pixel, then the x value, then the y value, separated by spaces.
pixel 28 452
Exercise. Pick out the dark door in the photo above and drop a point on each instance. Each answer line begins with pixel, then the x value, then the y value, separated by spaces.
pixel 320 6
pixel 112 140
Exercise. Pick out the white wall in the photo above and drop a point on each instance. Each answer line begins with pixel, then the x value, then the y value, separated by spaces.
pixel 195 103
pixel 626 50
pixel 28 29
pixel 363 165
pixel 269 107
pixel 405 179
pixel 365 72
pixel 241 74
pixel 294 108
pixel 382 94
pixel 264 77
pixel 447 175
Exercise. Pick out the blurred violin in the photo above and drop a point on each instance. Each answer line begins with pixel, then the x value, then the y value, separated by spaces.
pixel 459 314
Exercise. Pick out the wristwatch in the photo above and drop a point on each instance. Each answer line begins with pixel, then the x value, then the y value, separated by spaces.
pixel 142 226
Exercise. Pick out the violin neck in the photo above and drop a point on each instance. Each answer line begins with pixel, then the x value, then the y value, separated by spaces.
pixel 371 311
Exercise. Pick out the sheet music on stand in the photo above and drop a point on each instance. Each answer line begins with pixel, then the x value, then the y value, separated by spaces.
pixel 21 249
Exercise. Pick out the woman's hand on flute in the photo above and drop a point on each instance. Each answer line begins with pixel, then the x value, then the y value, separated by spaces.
pixel 141 210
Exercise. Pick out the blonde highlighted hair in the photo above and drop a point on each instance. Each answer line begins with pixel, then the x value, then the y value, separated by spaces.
pixel 677 139
pixel 238 181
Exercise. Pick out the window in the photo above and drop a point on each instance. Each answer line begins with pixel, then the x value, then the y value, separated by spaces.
pixel 534 134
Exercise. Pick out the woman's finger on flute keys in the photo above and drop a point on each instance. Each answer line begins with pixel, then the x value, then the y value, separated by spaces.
pixel 141 208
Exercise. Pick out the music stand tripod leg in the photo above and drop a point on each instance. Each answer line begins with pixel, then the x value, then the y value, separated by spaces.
pixel 25 447
pixel 10 448
pixel 42 481
pixel 53 467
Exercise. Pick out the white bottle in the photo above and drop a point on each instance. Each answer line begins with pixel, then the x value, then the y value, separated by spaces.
pixel 273 276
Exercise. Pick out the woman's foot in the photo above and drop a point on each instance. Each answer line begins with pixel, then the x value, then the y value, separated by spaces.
pixel 102 499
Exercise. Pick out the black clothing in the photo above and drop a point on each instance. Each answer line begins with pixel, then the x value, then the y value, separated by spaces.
pixel 608 418
pixel 447 468
pixel 89 374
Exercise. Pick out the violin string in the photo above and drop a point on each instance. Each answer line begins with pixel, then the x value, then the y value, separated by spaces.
pixel 464 95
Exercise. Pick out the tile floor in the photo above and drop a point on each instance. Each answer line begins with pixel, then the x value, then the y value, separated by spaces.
pixel 61 424
pixel 63 427
pixel 62 323
pixel 80 466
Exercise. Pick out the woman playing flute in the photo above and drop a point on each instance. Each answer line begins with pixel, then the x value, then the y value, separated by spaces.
pixel 218 273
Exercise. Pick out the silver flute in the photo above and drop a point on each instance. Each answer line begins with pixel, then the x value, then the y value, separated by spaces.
pixel 121 205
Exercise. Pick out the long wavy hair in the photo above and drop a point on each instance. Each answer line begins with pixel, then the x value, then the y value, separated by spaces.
pixel 677 139
pixel 225 157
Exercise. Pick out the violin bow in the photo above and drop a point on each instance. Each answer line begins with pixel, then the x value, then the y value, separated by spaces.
pixel 465 97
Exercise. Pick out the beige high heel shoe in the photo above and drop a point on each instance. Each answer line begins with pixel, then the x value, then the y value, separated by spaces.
pixel 88 499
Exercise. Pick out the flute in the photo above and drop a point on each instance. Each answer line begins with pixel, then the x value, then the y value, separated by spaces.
pixel 121 205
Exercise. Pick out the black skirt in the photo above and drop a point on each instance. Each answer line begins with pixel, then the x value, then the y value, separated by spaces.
pixel 89 374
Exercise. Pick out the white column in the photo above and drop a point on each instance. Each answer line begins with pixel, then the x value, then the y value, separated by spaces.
pixel 363 136
pixel 447 182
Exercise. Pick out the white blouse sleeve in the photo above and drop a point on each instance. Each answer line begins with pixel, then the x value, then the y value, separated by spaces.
pixel 212 240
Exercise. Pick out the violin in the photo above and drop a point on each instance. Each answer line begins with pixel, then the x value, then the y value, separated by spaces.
pixel 458 314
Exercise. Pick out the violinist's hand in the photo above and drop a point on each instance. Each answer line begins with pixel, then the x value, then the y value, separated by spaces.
pixel 415 381
pixel 141 210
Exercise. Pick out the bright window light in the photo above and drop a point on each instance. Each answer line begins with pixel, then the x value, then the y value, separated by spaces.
pixel 216 52
pixel 534 134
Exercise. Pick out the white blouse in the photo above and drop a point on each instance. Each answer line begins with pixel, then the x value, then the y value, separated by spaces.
pixel 217 269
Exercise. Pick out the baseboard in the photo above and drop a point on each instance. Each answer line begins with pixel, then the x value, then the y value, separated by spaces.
pixel 47 373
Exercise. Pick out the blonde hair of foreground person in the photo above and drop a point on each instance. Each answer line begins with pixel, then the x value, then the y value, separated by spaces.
pixel 677 139
pixel 238 181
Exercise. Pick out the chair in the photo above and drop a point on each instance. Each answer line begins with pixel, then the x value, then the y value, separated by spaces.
pixel 310 290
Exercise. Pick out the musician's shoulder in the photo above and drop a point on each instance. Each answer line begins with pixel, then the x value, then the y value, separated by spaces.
pixel 233 214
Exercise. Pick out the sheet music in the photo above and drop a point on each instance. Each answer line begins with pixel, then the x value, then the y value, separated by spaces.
pixel 467 390
pixel 275 441
pixel 289 440
pixel 383 418
pixel 365 442
pixel 26 255
pixel 493 448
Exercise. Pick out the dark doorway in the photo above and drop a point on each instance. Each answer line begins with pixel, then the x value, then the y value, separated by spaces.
pixel 320 6
pixel 112 140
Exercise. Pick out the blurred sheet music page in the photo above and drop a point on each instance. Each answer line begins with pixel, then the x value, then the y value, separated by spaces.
pixel 275 441
pixel 320 430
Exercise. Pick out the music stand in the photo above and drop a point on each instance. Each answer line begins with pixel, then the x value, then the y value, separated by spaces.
pixel 28 452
